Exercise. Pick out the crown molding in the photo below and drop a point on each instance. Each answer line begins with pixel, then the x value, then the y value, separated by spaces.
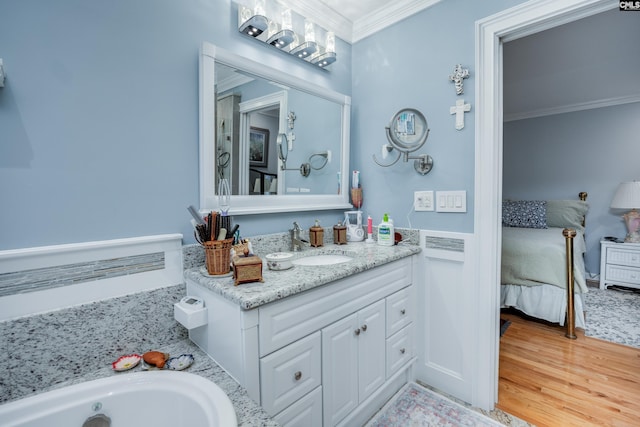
pixel 387 16
pixel 570 108
pixel 322 15
pixel 365 26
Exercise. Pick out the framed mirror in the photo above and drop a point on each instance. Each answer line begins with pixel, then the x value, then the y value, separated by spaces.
pixel 280 142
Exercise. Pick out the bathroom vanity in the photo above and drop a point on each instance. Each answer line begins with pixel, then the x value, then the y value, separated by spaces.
pixel 322 345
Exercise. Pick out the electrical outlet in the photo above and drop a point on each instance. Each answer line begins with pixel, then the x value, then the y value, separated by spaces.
pixel 423 201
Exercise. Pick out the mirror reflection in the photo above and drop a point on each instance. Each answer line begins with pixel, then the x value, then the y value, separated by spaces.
pixel 278 142
pixel 272 139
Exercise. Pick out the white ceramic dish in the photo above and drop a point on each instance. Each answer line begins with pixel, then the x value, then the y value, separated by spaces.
pixel 279 260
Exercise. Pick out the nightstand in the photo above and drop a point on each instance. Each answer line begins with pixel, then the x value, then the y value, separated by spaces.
pixel 619 264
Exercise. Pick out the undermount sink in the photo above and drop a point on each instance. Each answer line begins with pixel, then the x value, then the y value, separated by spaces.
pixel 322 259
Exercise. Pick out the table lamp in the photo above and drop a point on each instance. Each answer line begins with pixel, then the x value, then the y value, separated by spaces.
pixel 628 197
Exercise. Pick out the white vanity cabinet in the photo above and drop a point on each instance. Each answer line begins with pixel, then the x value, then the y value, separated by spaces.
pixel 353 361
pixel 331 355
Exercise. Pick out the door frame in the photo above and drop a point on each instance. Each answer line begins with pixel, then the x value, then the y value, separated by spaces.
pixel 523 20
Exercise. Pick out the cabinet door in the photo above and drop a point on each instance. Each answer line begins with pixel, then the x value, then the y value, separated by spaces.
pixel 339 369
pixel 371 349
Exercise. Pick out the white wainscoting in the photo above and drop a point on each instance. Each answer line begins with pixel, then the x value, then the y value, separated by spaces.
pixel 445 305
pixel 38 295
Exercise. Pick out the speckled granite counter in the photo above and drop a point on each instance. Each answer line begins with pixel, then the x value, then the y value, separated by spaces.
pixel 281 284
pixel 52 350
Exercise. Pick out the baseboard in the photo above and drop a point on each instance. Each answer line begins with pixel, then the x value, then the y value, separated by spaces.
pixel 593 283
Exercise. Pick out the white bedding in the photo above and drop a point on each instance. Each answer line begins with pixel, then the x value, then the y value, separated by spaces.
pixel 532 257
pixel 544 302
pixel 533 273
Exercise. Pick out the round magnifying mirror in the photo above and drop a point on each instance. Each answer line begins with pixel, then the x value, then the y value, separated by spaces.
pixel 408 130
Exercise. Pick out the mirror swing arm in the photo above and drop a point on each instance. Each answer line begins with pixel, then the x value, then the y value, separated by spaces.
pixel 305 168
pixel 407 132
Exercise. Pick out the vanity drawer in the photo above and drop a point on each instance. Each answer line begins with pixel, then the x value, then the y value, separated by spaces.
pixel 623 274
pixel 620 256
pixel 289 319
pixel 398 311
pixel 306 412
pixel 289 373
pixel 399 349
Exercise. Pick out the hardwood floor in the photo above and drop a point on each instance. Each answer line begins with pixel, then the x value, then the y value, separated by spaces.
pixel 549 380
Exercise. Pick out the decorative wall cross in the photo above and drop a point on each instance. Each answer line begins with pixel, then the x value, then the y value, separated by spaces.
pixel 459 109
pixel 458 76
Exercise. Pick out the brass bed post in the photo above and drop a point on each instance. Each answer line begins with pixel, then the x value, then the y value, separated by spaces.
pixel 569 234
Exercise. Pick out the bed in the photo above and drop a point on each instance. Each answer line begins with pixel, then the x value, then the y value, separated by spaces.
pixel 537 237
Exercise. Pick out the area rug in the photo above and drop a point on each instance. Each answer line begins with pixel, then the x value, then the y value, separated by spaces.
pixel 613 315
pixel 504 324
pixel 416 406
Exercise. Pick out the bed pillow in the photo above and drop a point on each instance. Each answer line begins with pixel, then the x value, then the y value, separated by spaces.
pixel 524 213
pixel 566 213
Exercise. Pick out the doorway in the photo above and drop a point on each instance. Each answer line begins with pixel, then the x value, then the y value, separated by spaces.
pixel 520 21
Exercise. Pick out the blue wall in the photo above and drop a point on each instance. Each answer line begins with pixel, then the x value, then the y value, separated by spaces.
pixel 555 157
pixel 407 65
pixel 99 116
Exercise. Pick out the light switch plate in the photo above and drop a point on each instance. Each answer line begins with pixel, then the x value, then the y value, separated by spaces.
pixel 423 201
pixel 451 201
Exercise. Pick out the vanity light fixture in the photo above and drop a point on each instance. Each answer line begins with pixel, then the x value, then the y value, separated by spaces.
pixel 309 46
pixel 253 22
pixel 287 33
pixel 328 56
pixel 281 36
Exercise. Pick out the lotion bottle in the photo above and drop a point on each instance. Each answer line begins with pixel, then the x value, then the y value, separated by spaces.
pixel 385 232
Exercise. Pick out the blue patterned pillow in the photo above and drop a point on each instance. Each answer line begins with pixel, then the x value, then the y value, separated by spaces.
pixel 524 213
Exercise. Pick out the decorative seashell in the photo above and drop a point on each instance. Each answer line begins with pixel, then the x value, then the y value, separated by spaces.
pixel 155 358
pixel 126 362
pixel 180 362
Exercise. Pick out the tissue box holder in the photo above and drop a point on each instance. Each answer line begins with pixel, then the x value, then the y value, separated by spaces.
pixel 247 269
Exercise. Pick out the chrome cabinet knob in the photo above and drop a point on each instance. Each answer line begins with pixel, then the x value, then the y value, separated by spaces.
pixel 402 351
pixel 357 331
pixel 403 311
pixel 364 328
pixel 297 375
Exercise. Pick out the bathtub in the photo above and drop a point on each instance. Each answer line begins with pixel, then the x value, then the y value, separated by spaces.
pixel 154 398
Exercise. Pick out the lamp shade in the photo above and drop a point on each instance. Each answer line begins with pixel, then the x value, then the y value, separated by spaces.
pixel 627 196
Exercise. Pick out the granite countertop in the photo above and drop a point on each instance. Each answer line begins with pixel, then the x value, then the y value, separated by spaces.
pixel 281 284
pixel 248 412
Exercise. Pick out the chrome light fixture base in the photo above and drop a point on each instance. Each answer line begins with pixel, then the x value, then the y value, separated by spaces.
pixel 281 39
pixel 254 26
pixel 304 50
pixel 324 59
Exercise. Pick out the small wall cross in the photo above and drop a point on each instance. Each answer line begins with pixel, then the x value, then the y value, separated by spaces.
pixel 459 109
pixel 458 76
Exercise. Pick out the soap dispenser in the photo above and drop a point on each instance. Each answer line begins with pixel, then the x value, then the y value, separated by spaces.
pixel 316 235
pixel 386 232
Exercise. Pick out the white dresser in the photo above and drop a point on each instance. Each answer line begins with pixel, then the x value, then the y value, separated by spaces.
pixel 619 264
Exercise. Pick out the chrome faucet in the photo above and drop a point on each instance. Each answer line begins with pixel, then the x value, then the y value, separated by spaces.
pixel 296 242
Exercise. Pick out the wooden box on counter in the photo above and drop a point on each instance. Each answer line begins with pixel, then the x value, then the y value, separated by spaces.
pixel 246 269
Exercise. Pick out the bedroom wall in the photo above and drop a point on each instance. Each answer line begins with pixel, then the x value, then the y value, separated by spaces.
pixel 555 157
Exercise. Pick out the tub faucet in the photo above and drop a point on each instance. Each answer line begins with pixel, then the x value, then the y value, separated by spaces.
pixel 296 241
